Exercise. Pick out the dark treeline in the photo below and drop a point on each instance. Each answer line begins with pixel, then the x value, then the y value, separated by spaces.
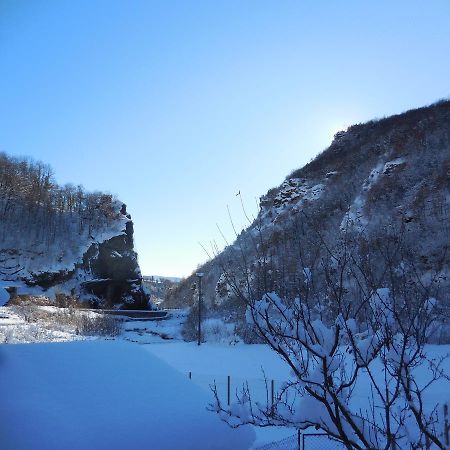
pixel 34 206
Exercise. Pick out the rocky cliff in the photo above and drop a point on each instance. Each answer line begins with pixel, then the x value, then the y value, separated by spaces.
pixel 379 181
pixel 110 270
pixel 63 240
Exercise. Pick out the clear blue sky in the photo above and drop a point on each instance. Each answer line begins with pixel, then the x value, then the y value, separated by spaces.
pixel 175 106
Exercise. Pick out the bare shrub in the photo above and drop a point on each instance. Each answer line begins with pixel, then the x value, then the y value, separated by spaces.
pixel 190 327
pixel 86 323
pixel 67 301
pixel 82 323
pixel 217 331
pixel 20 300
pixel 98 325
pixel 27 310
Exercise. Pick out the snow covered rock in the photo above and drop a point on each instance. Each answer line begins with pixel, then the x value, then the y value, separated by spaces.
pixel 94 261
pixel 63 239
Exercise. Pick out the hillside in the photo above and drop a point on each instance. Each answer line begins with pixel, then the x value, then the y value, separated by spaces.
pixel 158 287
pixel 378 184
pixel 62 240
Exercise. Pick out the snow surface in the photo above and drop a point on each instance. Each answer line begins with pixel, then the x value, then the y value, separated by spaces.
pixel 156 331
pixel 211 363
pixel 207 363
pixel 355 215
pixel 104 395
pixel 63 386
pixel 14 329
pixel 241 361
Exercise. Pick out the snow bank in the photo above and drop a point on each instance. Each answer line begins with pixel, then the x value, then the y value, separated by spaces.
pixel 103 395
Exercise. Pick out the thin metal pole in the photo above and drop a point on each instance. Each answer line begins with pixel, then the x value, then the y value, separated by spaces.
pixel 199 310
pixel 228 386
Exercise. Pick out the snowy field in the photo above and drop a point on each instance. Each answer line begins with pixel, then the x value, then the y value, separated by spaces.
pixel 103 395
pixel 199 367
pixel 213 363
pixel 145 385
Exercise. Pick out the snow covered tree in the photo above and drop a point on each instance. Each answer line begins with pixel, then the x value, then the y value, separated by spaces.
pixel 361 371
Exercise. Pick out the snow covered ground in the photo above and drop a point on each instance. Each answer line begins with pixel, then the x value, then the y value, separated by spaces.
pixel 155 331
pixel 213 363
pixel 207 364
pixel 103 395
pixel 16 329
pixel 50 386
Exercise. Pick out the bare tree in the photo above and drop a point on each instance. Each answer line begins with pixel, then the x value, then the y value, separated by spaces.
pixel 361 324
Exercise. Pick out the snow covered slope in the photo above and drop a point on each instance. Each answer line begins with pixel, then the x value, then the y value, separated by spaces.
pixel 378 179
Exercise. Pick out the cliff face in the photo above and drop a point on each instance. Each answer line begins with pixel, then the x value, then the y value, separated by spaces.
pixel 385 175
pixel 63 240
pixel 101 269
pixel 113 273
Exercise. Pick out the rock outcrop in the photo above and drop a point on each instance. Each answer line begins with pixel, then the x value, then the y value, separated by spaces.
pixel 63 240
pixel 114 267
pixel 105 274
pixel 392 173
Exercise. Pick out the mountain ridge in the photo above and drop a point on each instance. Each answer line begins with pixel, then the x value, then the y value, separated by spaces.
pixel 388 173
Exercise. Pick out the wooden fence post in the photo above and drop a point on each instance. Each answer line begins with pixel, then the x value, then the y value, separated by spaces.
pixel 446 426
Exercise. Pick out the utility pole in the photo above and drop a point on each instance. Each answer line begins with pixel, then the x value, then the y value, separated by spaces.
pixel 199 276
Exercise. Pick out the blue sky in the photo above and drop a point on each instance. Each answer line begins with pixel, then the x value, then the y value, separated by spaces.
pixel 175 106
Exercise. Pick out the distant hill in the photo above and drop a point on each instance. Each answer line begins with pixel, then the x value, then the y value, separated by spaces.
pixel 159 287
pixel 63 240
pixel 159 278
pixel 375 178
